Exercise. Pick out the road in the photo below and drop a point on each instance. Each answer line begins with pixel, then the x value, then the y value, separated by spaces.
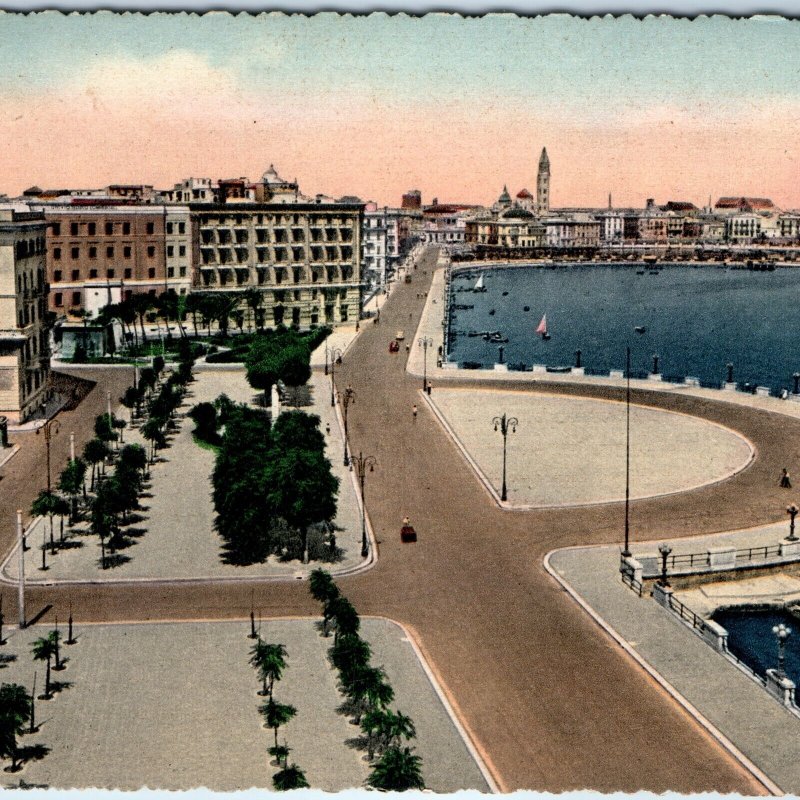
pixel 549 699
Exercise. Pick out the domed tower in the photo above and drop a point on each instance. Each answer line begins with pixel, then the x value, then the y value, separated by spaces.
pixel 543 184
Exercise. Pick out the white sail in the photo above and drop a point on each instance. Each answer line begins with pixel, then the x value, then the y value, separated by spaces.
pixel 479 284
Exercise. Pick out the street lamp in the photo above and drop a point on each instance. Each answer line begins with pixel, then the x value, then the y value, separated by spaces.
pixel 49 427
pixel 792 512
pixel 425 342
pixel 783 632
pixel 665 550
pixel 505 424
pixel 345 398
pixel 336 357
pixel 362 462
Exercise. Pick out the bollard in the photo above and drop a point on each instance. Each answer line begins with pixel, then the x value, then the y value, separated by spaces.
pixel 500 352
pixel 655 364
pixel 729 367
pixel 577 359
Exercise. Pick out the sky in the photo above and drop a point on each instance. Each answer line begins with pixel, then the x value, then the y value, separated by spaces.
pixel 373 106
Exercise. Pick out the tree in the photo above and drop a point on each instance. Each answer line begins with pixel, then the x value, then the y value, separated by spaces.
pixel 384 728
pixel 323 590
pixel 289 778
pixel 296 430
pixel 95 452
pixel 46 505
pixel 368 689
pixel 43 649
pixel 270 661
pixel 104 428
pixel 280 753
pixel 303 490
pixel 131 400
pixel 193 305
pixel 61 508
pixel 15 712
pixel 254 299
pixel 70 482
pixel 277 714
pixel 141 304
pixel 345 618
pixel 295 367
pixel 398 770
pixel 169 306
pixel 349 655
pixel 133 456
pixel 153 433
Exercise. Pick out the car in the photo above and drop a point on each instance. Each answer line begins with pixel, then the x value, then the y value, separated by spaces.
pixel 400 336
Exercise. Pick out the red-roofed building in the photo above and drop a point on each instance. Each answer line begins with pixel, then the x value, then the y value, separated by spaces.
pixel 748 205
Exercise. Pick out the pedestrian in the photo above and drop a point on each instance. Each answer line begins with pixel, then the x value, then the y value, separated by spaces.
pixel 406 521
pixel 786 482
pixel 328 429
pixel 408 348
pixel 414 412
pixel 429 387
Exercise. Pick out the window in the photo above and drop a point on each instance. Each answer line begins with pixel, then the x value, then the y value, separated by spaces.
pixel 92 227
pixel 170 250
pixel 151 273
pixel 170 272
pixel 109 252
pixel 76 298
pixel 151 228
pixel 92 273
pixel 169 227
pixel 109 273
pixel 56 228
pixel 151 251
pixel 182 272
pixel 58 299
pixel 181 227
pixel 126 228
pixel 73 228
pixel 56 254
pixel 76 275
pixel 109 228
pixel 57 276
pixel 128 272
pixel 182 250
pixel 76 251
pixel 92 252
pixel 126 252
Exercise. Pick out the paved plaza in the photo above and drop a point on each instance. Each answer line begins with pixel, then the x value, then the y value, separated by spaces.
pixel 175 706
pixel 176 537
pixel 571 450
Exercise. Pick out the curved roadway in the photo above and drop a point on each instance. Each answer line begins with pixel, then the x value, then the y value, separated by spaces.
pixel 549 699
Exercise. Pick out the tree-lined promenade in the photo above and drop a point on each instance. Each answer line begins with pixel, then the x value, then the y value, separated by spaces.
pixel 550 700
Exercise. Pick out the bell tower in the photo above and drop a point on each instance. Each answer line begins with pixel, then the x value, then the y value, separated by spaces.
pixel 543 184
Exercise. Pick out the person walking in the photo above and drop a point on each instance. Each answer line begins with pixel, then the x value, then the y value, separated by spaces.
pixel 786 482
pixel 414 412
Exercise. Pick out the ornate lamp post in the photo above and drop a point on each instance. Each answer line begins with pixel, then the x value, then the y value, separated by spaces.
pixel 783 632
pixel 505 424
pixel 336 356
pixel 792 512
pixel 362 463
pixel 425 342
pixel 665 550
pixel 345 398
pixel 49 428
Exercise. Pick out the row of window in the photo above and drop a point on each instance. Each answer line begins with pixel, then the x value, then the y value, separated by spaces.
pixel 76 296
pixel 109 228
pixel 29 247
pixel 127 274
pixel 127 252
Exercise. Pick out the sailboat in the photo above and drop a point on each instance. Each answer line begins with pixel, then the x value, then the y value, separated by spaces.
pixel 479 287
pixel 542 329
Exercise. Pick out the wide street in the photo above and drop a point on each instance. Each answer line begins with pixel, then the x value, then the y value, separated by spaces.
pixel 550 701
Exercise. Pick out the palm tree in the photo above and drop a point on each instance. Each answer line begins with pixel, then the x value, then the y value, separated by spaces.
pixel 15 711
pixel 70 482
pixel 62 508
pixel 289 778
pixel 398 770
pixel 43 649
pixel 276 714
pixel 384 728
pixel 345 617
pixel 254 299
pixel 193 305
pixel 131 400
pixel 141 304
pixel 280 753
pixel 350 654
pixel 368 689
pixel 270 661
pixel 324 591
pixel 152 432
pixel 46 505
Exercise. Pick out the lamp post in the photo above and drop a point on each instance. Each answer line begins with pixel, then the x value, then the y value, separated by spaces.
pixel 796 380
pixel 326 359
pixel 505 424
pixel 425 342
pixel 345 398
pixel 336 355
pixel 783 632
pixel 362 463
pixel 626 552
pixel 792 512
pixel 665 550
pixel 49 427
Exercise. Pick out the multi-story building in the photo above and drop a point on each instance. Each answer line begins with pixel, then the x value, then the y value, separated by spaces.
pixel 178 248
pixel 305 259
pixel 564 232
pixel 24 335
pixel 100 253
pixel 190 190
pixel 445 224
pixel 412 200
pixel 383 238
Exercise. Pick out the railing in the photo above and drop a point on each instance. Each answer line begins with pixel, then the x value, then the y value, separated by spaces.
pixel 686 614
pixel 752 553
pixel 744 554
pixel 630 581
pixel 687 559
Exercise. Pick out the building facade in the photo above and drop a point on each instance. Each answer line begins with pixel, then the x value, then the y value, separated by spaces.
pixel 24 331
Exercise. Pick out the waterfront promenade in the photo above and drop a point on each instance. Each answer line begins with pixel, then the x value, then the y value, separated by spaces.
pixel 550 701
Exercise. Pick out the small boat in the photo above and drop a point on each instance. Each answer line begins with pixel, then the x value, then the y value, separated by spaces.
pixel 654 272
pixel 640 272
pixel 492 313
pixel 479 287
pixel 505 294
pixel 640 329
pixel 526 308
pixel 542 329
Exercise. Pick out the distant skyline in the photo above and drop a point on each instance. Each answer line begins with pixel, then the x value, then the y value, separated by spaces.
pixel 374 106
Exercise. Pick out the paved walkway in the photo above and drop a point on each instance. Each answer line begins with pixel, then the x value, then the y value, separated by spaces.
pixel 174 706
pixel 764 731
pixel 176 537
pixel 571 450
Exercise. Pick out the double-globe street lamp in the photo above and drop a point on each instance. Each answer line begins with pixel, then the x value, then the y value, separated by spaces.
pixel 362 464
pixel 505 425
pixel 336 358
pixel 792 511
pixel 665 551
pixel 49 427
pixel 783 632
pixel 425 342
pixel 345 398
